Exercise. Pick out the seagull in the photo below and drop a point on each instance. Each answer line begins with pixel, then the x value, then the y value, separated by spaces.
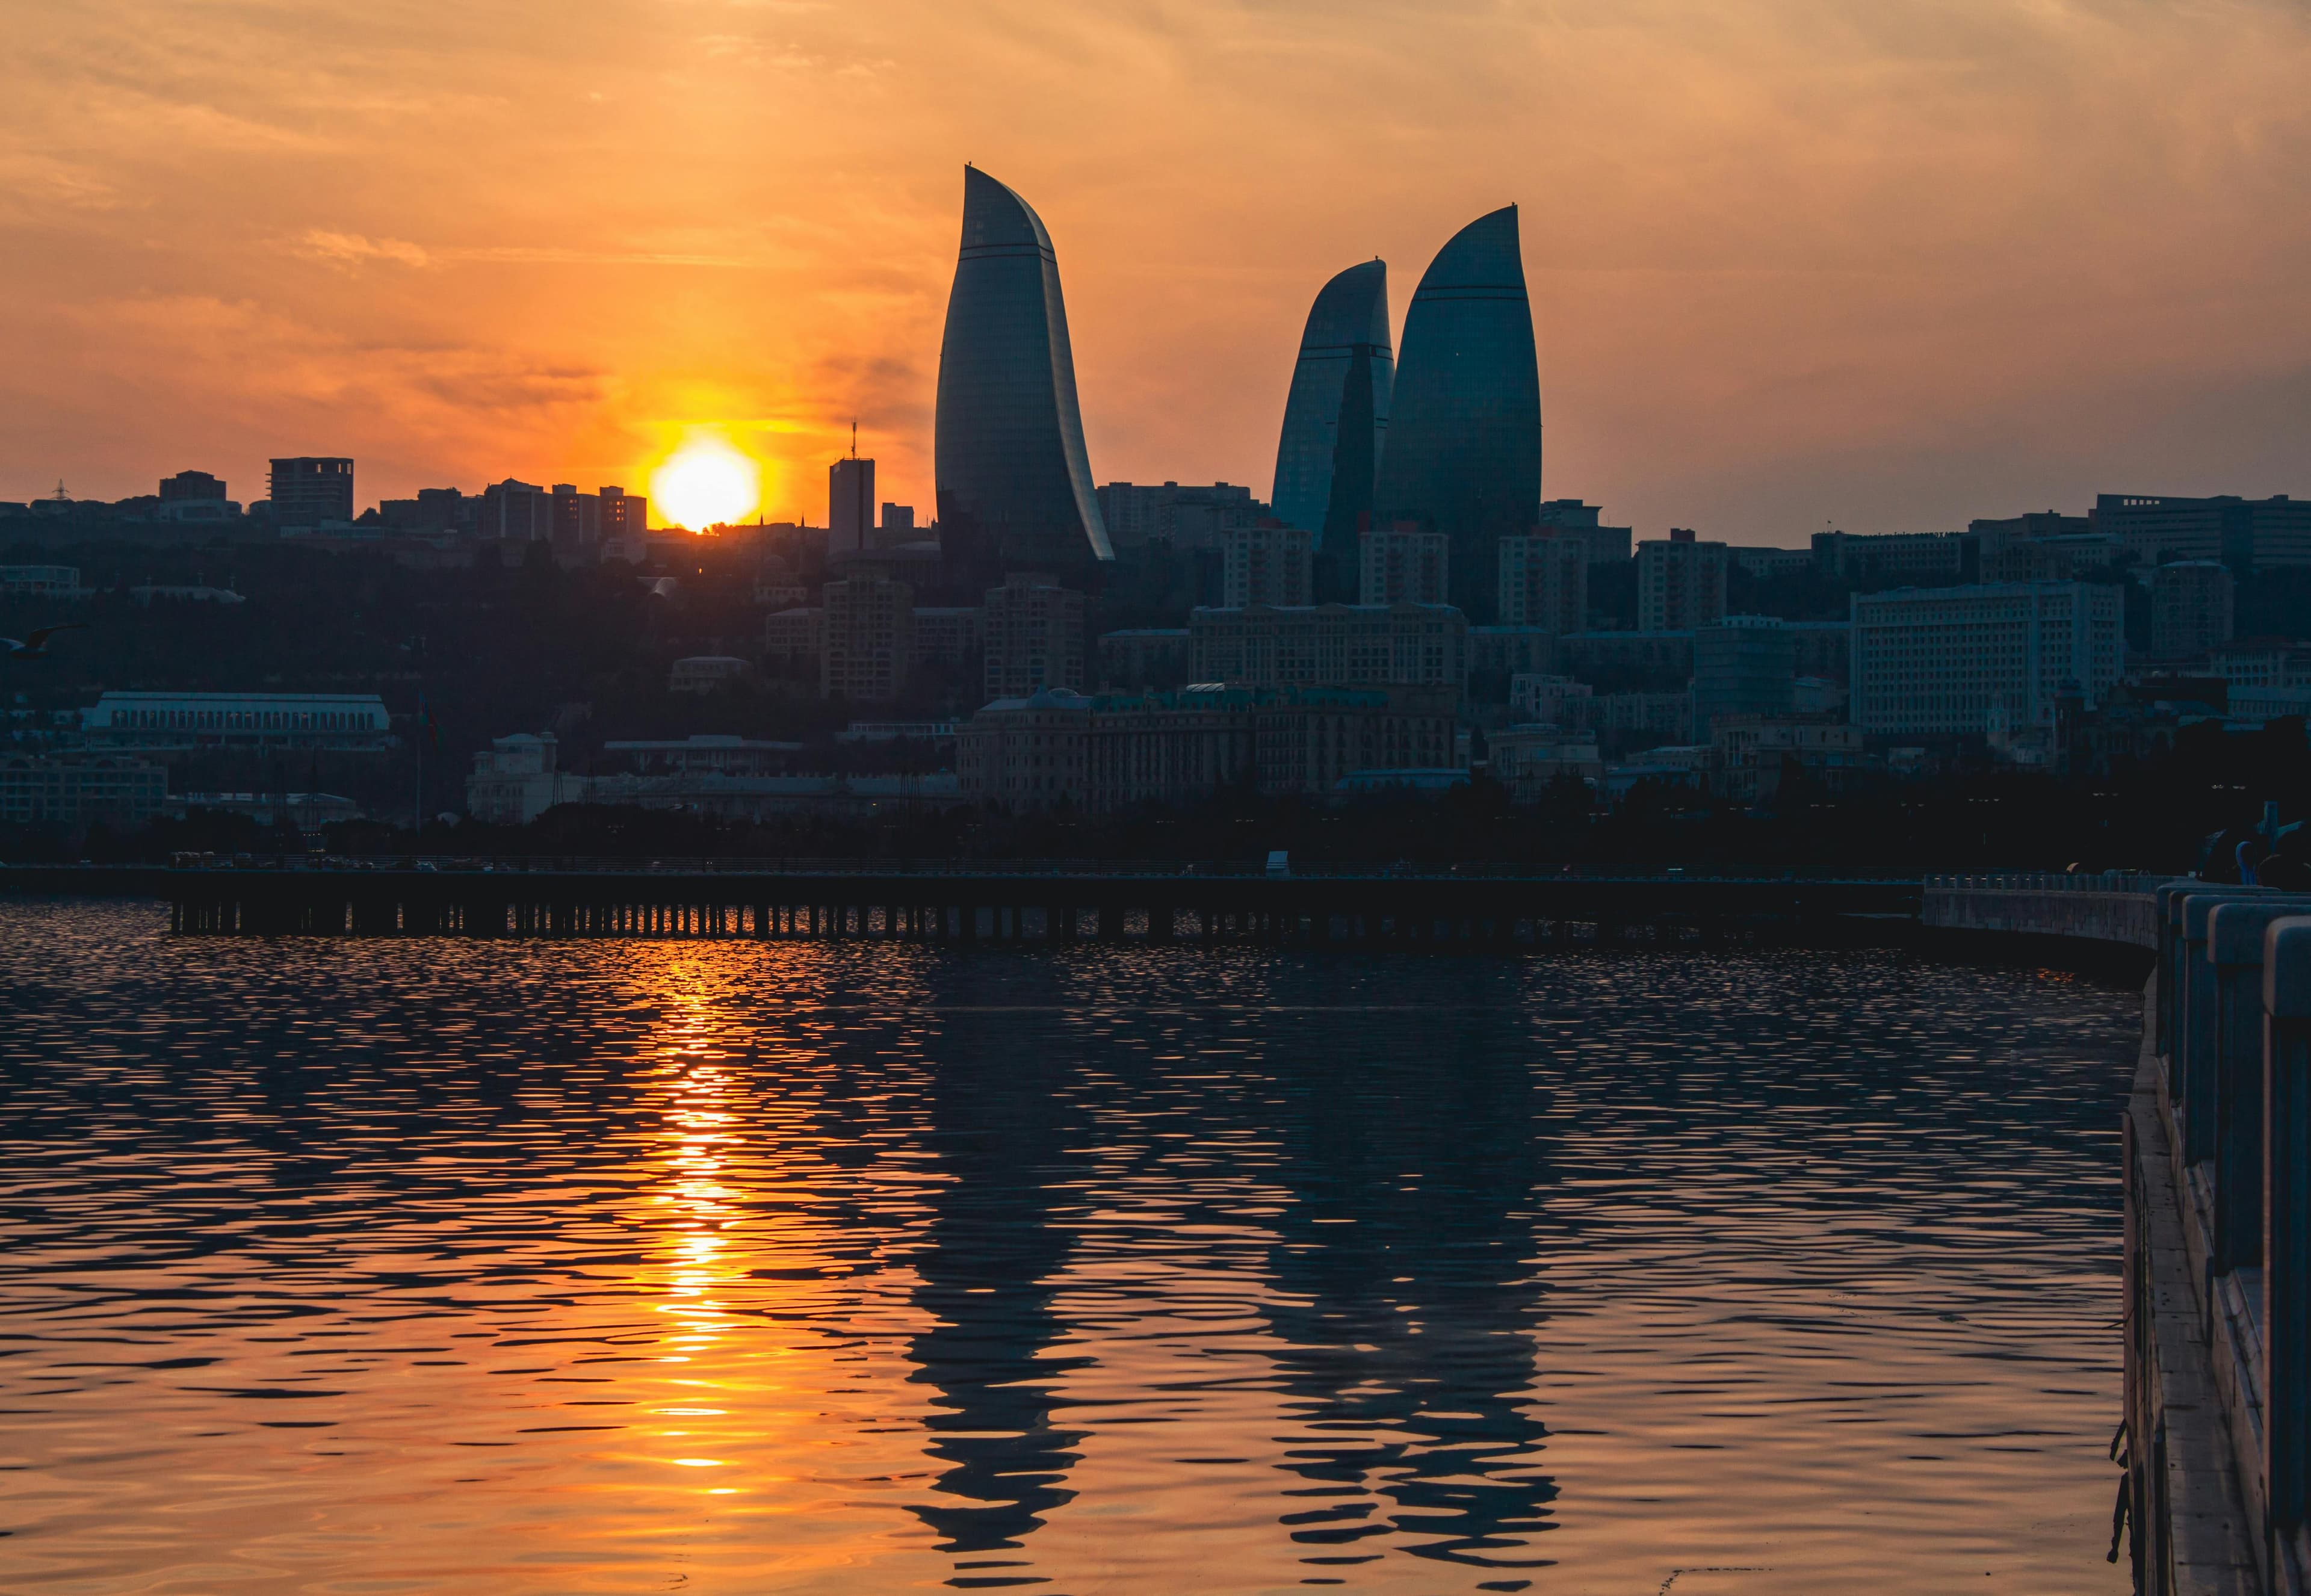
pixel 35 645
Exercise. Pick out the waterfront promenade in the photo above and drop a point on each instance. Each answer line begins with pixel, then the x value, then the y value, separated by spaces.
pixel 2217 1435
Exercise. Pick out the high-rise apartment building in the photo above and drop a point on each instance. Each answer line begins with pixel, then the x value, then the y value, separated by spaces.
pixel 1680 582
pixel 1544 579
pixel 1929 660
pixel 1034 631
pixel 865 624
pixel 1464 452
pixel 309 489
pixel 849 507
pixel 1015 486
pixel 2192 606
pixel 1270 564
pixel 1404 564
pixel 1336 415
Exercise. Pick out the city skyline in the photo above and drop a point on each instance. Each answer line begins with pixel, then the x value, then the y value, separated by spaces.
pixel 1886 275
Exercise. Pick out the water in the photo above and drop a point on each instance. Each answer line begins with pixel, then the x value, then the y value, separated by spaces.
pixel 377 1267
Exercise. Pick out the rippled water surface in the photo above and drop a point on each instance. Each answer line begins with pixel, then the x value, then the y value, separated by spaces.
pixel 515 1268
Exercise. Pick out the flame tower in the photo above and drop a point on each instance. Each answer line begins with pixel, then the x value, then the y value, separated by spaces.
pixel 1014 488
pixel 1463 455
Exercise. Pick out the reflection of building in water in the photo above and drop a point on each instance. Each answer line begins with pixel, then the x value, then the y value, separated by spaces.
pixel 992 1255
pixel 1403 1304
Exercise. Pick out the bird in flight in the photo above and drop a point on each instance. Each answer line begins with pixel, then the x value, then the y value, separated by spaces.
pixel 34 645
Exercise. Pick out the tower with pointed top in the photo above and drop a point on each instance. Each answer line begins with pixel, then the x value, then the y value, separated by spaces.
pixel 1463 449
pixel 1014 488
pixel 1336 416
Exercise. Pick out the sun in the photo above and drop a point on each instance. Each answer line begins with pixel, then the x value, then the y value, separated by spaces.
pixel 704 481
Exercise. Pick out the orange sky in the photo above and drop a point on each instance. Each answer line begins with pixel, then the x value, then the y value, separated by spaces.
pixel 1888 264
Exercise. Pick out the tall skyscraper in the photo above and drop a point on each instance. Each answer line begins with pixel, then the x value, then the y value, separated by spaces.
pixel 1336 416
pixel 849 507
pixel 1014 488
pixel 1463 450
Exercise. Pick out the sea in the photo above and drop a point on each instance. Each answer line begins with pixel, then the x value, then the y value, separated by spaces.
pixel 622 1266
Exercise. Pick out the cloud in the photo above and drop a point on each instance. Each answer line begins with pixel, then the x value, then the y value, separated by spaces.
pixel 351 249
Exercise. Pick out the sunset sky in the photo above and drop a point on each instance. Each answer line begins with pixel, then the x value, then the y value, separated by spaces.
pixel 1886 265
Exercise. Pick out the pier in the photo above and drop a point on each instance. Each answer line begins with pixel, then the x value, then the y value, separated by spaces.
pixel 1049 903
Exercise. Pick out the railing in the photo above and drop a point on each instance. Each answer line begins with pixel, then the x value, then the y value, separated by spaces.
pixel 1200 869
pixel 2046 881
pixel 2233 1033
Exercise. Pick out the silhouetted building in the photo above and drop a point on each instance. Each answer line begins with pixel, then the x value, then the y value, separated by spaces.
pixel 191 485
pixel 1680 582
pixel 1464 452
pixel 1742 665
pixel 851 507
pixel 1932 557
pixel 1035 636
pixel 866 637
pixel 2246 535
pixel 1544 579
pixel 1404 564
pixel 1336 415
pixel 1332 645
pixel 1586 521
pixel 1015 488
pixel 515 511
pixel 2191 609
pixel 1191 517
pixel 77 789
pixel 309 489
pixel 1145 657
pixel 1270 564
pixel 188 721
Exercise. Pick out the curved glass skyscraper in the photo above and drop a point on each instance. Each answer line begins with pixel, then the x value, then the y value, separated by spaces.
pixel 1463 455
pixel 1014 489
pixel 1336 417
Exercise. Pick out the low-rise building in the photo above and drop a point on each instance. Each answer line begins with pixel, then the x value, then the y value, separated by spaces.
pixel 1145 657
pixel 345 722
pixel 2191 609
pixel 704 673
pixel 1538 699
pixel 306 811
pixel 1627 661
pixel 1331 645
pixel 514 781
pixel 1108 751
pixel 1529 760
pixel 77 790
pixel 703 752
pixel 1510 651
pixel 55 583
pixel 1754 752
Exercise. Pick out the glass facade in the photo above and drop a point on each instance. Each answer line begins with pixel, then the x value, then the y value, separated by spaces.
pixel 1336 418
pixel 1014 489
pixel 1464 454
